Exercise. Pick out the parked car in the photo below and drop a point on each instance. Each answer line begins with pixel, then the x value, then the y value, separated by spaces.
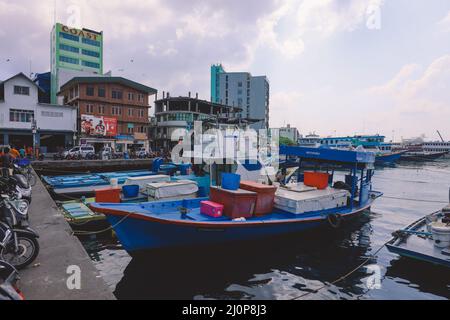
pixel 79 152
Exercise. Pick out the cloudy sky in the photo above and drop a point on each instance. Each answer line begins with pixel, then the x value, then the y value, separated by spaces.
pixel 335 66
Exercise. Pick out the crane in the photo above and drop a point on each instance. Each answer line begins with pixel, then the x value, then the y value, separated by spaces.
pixel 440 136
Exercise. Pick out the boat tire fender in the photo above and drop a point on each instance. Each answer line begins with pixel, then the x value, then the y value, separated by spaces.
pixel 334 220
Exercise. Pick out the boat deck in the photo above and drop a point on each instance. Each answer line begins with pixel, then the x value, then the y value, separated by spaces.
pixel 172 211
pixel 416 243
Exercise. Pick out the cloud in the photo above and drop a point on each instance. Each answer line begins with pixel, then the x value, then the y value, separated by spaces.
pixel 285 103
pixel 414 98
pixel 286 28
pixel 444 24
pixel 155 42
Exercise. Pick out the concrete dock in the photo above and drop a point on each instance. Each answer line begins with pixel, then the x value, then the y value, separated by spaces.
pixel 46 278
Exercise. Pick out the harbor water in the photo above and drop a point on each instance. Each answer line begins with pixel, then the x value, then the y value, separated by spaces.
pixel 295 266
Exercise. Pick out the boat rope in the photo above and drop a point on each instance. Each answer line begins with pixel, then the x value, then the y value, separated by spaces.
pixel 88 233
pixel 417 200
pixel 345 275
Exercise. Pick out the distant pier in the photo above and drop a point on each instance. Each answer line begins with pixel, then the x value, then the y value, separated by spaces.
pixel 58 167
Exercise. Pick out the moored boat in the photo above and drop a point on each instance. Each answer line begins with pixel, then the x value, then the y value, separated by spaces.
pixel 85 184
pixel 427 239
pixel 421 156
pixel 297 207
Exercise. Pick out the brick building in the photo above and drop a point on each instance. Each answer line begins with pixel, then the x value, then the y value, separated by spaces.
pixel 112 111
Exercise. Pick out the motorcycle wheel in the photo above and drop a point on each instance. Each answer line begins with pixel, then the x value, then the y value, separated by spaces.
pixel 28 251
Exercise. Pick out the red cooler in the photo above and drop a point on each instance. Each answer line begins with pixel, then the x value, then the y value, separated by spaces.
pixel 109 194
pixel 265 196
pixel 237 203
pixel 211 209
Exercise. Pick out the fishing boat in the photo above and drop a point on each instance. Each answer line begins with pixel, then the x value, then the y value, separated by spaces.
pixel 296 207
pixel 427 239
pixel 85 184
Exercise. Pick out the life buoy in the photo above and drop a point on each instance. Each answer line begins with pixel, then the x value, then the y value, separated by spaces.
pixel 334 220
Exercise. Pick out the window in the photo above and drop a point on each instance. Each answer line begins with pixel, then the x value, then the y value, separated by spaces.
pixel 130 96
pixel 130 112
pixel 240 84
pixel 90 64
pixel 69 36
pixel 141 129
pixel 141 113
pixel 90 91
pixel 239 91
pixel 91 42
pixel 89 108
pixel 17 115
pixel 66 47
pixel 22 90
pixel 101 92
pixel 116 94
pixel 130 130
pixel 101 109
pixel 69 60
pixel 90 53
pixel 141 97
pixel 116 111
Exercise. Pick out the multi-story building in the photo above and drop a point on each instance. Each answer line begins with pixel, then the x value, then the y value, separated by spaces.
pixel 112 111
pixel 175 115
pixel 241 89
pixel 290 133
pixel 74 52
pixel 21 111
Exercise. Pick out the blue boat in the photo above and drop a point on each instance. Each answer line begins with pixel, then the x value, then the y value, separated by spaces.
pixel 388 158
pixel 418 241
pixel 85 184
pixel 374 143
pixel 167 224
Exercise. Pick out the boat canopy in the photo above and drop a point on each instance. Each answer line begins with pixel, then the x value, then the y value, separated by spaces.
pixel 325 155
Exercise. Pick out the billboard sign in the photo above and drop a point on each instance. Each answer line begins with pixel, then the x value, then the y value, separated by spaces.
pixel 98 125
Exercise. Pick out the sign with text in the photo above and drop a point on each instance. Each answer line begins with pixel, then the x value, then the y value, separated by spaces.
pixel 98 125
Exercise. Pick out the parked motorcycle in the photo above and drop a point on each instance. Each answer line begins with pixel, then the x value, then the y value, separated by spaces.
pixel 18 186
pixel 9 277
pixel 18 242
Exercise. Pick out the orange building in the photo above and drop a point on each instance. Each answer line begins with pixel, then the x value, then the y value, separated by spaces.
pixel 112 111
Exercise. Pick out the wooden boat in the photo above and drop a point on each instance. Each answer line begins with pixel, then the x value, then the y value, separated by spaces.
pixel 165 224
pixel 417 241
pixel 85 184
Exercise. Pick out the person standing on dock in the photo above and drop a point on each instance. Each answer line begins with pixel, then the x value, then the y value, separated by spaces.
pixel 22 152
pixel 6 162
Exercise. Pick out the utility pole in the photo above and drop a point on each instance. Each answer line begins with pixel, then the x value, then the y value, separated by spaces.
pixel 34 131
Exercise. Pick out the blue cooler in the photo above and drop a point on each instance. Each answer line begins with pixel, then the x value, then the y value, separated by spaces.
pixel 231 181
